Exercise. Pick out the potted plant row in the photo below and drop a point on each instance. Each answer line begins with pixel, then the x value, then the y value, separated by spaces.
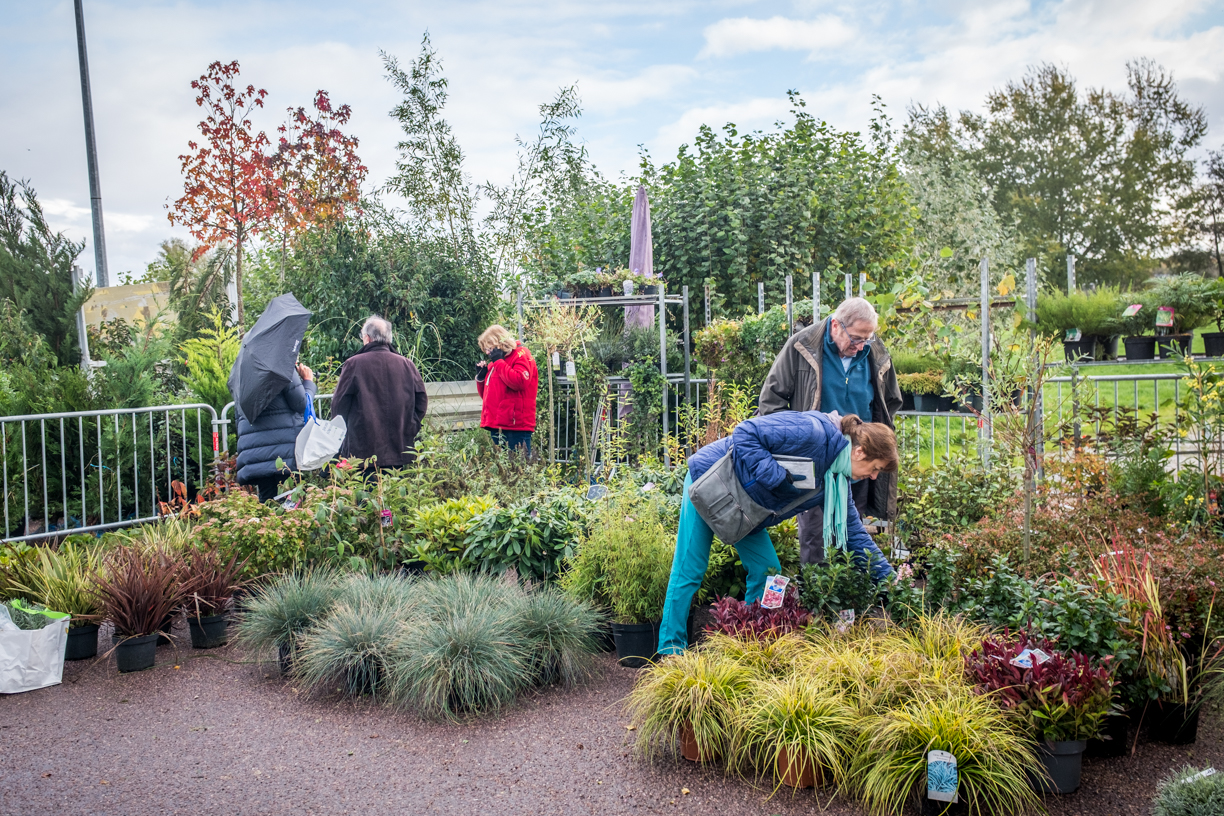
pixel 1063 699
pixel 607 283
pixel 1087 321
pixel 61 580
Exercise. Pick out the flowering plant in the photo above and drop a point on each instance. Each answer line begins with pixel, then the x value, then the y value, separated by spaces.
pixel 753 621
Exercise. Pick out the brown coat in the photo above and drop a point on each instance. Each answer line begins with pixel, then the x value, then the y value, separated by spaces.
pixel 793 384
pixel 382 398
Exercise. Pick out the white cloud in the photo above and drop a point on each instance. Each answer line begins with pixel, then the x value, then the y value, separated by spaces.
pixel 742 35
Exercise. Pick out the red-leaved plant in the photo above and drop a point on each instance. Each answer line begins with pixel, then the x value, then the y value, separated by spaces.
pixel 1065 698
pixel 751 620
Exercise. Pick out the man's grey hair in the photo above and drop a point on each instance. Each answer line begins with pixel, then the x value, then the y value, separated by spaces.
pixel 856 310
pixel 377 329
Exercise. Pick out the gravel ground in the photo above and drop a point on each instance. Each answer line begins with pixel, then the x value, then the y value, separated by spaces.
pixel 212 734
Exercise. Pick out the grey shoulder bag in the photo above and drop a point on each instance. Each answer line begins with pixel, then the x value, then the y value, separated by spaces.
pixel 722 502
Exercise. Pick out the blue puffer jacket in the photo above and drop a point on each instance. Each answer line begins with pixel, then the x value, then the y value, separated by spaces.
pixel 273 433
pixel 788 433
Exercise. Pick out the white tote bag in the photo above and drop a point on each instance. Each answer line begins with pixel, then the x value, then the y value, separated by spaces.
pixel 318 441
pixel 32 659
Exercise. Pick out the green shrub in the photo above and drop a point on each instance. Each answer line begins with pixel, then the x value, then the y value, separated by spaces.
pixel 957 492
pixel 1178 796
pixel 624 563
pixel 836 585
pixel 923 382
pixel 267 536
pixel 909 362
pixel 440 531
pixel 532 538
pixel 1092 312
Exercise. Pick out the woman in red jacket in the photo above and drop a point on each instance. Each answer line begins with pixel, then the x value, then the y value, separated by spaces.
pixel 507 383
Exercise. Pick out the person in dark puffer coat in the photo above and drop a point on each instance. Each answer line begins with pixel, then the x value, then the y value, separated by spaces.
pixel 272 435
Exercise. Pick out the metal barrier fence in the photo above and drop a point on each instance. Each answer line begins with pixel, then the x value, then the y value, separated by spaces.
pixel 95 469
pixel 1093 399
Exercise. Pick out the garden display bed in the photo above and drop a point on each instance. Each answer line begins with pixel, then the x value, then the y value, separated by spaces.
pixel 219 734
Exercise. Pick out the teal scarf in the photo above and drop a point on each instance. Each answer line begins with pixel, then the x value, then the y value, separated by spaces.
pixel 837 494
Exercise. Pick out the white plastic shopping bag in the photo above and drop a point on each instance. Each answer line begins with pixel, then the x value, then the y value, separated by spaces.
pixel 32 659
pixel 318 441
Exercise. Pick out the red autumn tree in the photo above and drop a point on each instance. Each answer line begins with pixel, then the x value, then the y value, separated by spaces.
pixel 236 188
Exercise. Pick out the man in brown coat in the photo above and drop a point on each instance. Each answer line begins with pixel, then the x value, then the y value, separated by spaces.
pixel 838 364
pixel 382 398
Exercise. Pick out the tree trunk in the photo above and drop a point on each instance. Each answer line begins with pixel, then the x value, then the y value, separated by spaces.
pixel 238 238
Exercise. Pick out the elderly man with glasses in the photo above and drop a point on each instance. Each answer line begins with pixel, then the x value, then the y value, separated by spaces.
pixel 838 365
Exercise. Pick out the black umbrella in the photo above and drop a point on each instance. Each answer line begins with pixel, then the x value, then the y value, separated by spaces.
pixel 268 357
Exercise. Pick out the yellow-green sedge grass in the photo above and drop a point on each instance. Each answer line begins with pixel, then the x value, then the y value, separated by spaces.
pixel 993 755
pixel 702 689
pixel 776 657
pixel 60 580
pixel 802 720
pixel 170 536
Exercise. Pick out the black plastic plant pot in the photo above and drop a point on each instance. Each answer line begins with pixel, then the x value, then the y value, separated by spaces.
pixel 1213 344
pixel 931 807
pixel 907 401
pixel 564 295
pixel 1140 347
pixel 1080 350
pixel 163 631
pixel 946 403
pixel 136 654
pixel 636 643
pixel 1109 346
pixel 1063 762
pixel 926 402
pixel 1173 723
pixel 82 642
pixel 651 290
pixel 1174 345
pixel 605 291
pixel 208 631
pixel 1114 739
pixel 604 640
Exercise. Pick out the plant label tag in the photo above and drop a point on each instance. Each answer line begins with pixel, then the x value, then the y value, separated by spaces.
pixel 290 504
pixel 1164 317
pixel 775 591
pixel 845 619
pixel 1132 310
pixel 387 518
pixel 1200 775
pixel 1074 335
pixel 1024 660
pixel 570 369
pixel 556 361
pixel 941 777
pixel 627 287
pixel 803 471
pixel 1041 656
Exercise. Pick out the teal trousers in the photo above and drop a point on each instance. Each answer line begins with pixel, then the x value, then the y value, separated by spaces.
pixel 693 539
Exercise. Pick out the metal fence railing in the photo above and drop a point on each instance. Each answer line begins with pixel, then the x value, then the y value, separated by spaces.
pixel 85 471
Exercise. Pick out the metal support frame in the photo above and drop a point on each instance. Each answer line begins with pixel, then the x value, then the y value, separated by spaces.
pixel 101 274
pixel 984 429
pixel 790 307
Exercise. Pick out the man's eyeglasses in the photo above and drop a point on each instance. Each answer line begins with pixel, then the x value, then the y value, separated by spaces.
pixel 855 340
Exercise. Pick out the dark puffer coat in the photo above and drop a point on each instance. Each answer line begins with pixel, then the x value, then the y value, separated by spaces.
pixel 788 433
pixel 273 433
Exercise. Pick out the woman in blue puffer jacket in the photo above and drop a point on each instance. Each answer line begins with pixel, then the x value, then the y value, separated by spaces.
pixel 273 435
pixel 842 449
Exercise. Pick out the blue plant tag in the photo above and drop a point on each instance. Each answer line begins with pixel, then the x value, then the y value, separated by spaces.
pixel 941 777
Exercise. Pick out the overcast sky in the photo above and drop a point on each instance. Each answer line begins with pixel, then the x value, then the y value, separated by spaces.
pixel 649 73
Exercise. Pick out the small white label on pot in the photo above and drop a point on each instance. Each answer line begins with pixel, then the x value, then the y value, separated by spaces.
pixel 1024 660
pixel 1200 775
pixel 1040 656
pixel 941 777
pixel 775 591
pixel 570 369
pixel 387 518
pixel 556 361
pixel 627 287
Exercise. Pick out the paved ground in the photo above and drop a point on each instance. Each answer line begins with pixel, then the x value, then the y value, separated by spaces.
pixel 220 736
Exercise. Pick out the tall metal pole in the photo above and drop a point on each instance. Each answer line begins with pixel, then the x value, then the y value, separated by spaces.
pixel 760 297
pixel 815 297
pixel 91 154
pixel 707 304
pixel 849 288
pixel 1030 284
pixel 78 281
pixel 984 421
pixel 1070 273
pixel 862 284
pixel 663 369
pixel 790 307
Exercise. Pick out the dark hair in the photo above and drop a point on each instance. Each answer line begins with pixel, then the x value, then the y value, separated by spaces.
pixel 877 440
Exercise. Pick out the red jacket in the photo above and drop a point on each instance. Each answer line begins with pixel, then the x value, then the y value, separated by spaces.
pixel 509 392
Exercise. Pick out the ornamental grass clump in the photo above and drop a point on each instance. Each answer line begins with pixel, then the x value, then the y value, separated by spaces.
pixel 560 635
pixel 993 754
pixel 350 650
pixel 700 690
pixel 276 614
pixel 795 725
pixel 138 589
pixel 1190 792
pixel 60 581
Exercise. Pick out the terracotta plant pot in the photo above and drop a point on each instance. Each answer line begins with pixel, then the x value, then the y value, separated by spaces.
pixel 690 750
pixel 796 771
